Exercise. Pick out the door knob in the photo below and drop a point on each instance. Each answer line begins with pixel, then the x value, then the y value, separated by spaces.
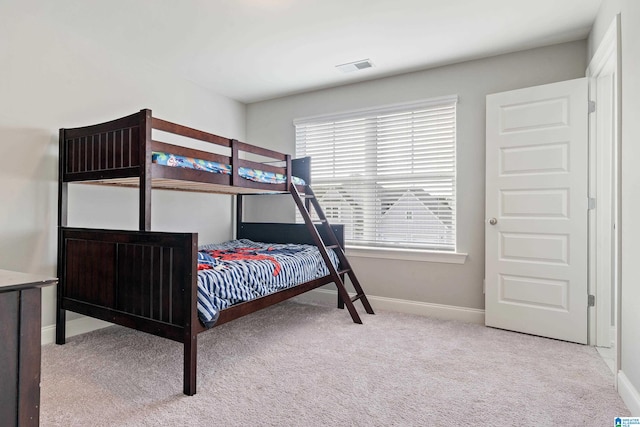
pixel 493 221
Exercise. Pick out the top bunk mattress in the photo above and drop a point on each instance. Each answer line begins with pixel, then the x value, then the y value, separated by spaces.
pixel 173 160
pixel 242 270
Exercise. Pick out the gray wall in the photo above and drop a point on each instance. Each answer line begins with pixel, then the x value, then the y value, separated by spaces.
pixel 608 10
pixel 50 78
pixel 269 123
pixel 630 322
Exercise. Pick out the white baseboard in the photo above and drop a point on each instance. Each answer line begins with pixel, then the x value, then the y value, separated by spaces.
pixel 630 395
pixel 78 326
pixel 440 311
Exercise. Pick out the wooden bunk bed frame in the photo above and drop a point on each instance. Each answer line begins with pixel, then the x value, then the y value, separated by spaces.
pixel 147 280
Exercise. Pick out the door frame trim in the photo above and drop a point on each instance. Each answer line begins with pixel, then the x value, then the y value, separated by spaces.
pixel 606 55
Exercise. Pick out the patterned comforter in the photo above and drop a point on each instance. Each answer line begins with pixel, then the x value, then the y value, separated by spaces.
pixel 242 270
pixel 173 160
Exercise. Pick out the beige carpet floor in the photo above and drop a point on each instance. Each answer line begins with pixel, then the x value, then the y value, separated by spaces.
pixel 305 365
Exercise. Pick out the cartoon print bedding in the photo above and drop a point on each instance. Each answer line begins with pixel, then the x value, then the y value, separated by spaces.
pixel 242 270
pixel 167 159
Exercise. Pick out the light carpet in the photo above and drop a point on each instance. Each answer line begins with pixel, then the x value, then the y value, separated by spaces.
pixel 306 365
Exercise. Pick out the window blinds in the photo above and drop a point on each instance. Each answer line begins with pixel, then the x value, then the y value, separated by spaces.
pixel 388 174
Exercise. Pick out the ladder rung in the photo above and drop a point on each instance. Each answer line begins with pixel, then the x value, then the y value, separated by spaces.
pixel 309 196
pixel 332 246
pixel 357 297
pixel 346 270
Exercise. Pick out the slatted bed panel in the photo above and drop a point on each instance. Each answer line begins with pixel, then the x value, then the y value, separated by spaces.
pixel 110 149
pixel 129 277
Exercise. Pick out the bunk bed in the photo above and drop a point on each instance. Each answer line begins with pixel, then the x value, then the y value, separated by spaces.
pixel 148 280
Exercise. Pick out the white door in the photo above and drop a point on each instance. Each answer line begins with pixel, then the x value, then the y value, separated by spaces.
pixel 536 210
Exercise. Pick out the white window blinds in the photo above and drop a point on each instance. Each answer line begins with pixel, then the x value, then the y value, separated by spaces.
pixel 388 174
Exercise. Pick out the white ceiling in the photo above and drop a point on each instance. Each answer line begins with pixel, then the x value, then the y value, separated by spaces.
pixel 252 50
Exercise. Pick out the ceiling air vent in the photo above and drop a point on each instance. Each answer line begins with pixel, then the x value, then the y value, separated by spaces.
pixel 355 66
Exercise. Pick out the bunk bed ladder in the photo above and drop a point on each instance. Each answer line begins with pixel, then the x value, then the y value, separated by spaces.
pixel 333 243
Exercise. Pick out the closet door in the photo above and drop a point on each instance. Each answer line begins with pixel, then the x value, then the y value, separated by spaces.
pixel 536 210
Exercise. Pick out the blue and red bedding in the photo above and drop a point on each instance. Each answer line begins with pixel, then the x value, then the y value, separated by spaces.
pixel 241 270
pixel 167 159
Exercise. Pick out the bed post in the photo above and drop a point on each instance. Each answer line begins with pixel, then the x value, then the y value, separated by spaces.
pixel 235 157
pixel 190 364
pixel 61 317
pixel 190 334
pixel 145 169
pixel 302 168
pixel 239 213
pixel 287 159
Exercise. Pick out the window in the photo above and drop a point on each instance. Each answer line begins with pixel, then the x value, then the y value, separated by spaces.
pixel 388 173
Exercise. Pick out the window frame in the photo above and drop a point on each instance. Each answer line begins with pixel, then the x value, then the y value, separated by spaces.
pixel 400 252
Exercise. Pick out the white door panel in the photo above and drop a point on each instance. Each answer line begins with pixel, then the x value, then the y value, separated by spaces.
pixel 534 159
pixel 536 253
pixel 534 204
pixel 534 292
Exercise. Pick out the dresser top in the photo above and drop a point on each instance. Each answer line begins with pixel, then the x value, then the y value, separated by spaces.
pixel 13 280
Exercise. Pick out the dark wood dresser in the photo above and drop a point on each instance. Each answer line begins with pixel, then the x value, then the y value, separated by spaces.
pixel 20 332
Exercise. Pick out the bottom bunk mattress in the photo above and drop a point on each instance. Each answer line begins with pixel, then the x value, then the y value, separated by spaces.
pixel 241 270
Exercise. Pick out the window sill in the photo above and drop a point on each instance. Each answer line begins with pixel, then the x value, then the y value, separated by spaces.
pixel 407 254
